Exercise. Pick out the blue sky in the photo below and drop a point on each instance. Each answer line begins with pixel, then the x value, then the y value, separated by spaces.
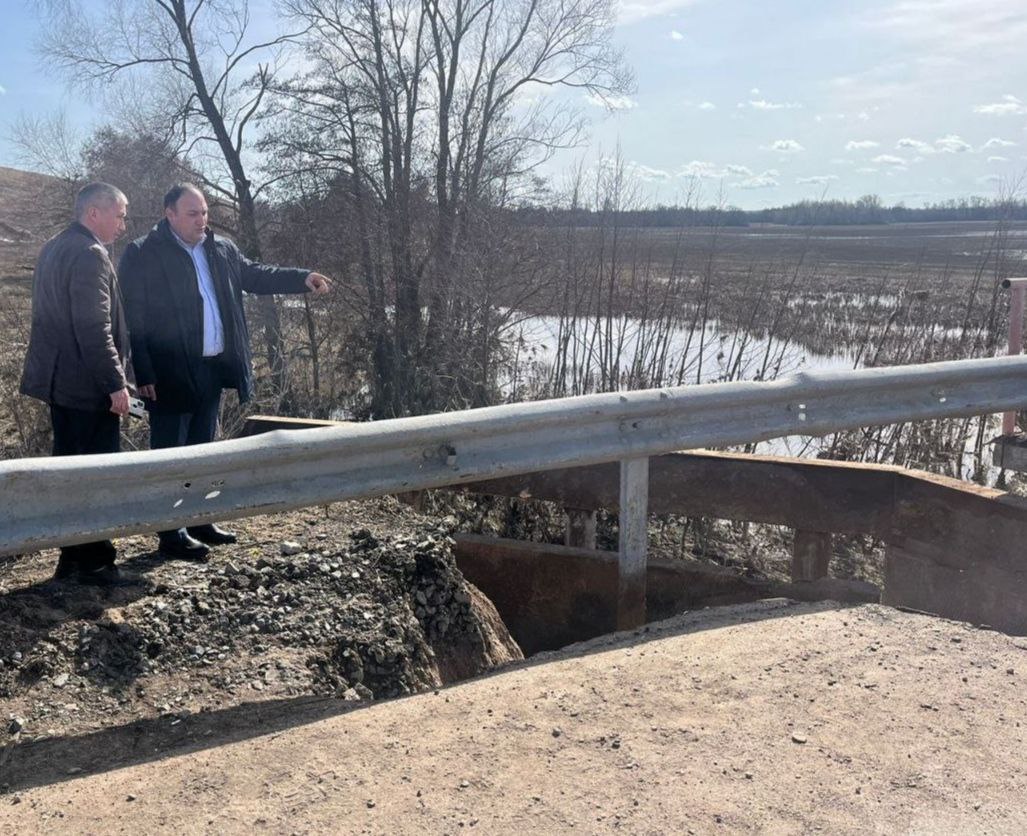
pixel 762 103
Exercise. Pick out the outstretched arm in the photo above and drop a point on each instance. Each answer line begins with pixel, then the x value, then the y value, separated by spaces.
pixel 264 279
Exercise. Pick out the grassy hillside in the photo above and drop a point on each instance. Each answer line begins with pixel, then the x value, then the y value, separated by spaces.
pixel 32 207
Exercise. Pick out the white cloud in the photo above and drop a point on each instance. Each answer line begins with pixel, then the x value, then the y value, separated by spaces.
pixel 816 179
pixel 917 145
pixel 948 144
pixel 611 102
pixel 703 170
pixel 3 90
pixel 1009 106
pixel 998 159
pixel 785 146
pixel 859 144
pixel 711 171
pixel 763 104
pixel 632 11
pixel 766 180
pixel 996 142
pixel 840 161
pixel 644 172
pixel 888 159
pixel 952 144
pixel 707 106
pixel 867 170
pixel 675 35
pixel 755 91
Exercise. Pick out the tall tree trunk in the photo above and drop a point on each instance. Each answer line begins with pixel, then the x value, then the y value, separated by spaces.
pixel 249 237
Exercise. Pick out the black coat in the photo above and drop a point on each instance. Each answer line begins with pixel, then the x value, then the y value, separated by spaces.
pixel 79 340
pixel 165 313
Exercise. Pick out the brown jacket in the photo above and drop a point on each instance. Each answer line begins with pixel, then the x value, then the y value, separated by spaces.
pixel 79 341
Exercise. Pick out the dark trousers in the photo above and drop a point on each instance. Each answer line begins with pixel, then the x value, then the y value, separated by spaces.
pixel 79 432
pixel 181 429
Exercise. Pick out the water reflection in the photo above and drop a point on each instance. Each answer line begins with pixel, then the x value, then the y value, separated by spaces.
pixel 631 350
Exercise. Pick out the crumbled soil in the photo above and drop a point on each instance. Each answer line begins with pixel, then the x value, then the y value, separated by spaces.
pixel 359 601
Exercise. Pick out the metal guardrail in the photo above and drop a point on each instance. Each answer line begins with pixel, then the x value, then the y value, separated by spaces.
pixel 51 501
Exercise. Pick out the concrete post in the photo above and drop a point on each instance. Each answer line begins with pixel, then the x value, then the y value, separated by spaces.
pixel 634 518
pixel 811 555
pixel 580 528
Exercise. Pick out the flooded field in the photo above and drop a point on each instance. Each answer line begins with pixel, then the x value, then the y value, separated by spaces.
pixel 952 246
pixel 678 355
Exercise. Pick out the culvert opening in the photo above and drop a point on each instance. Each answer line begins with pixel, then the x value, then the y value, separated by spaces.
pixel 551 596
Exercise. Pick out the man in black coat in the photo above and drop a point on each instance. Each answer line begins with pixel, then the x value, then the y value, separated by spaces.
pixel 77 352
pixel 183 290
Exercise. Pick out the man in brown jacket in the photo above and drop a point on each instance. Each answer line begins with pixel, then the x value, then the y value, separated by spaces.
pixel 77 352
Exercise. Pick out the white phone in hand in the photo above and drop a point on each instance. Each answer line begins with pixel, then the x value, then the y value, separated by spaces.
pixel 136 407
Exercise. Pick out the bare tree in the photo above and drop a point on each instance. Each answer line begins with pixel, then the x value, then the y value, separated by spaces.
pixel 193 71
pixel 48 144
pixel 435 112
pixel 142 165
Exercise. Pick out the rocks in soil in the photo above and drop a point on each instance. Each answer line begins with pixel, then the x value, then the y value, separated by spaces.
pixel 368 617
pixel 419 630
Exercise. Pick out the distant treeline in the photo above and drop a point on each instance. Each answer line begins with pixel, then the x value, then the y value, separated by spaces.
pixel 870 210
pixel 866 210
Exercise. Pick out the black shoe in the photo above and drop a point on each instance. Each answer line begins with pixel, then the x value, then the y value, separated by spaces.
pixel 84 557
pixel 177 545
pixel 212 535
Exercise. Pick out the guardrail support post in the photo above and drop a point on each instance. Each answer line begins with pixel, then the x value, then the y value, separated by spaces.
pixel 811 555
pixel 580 530
pixel 634 530
pixel 1017 290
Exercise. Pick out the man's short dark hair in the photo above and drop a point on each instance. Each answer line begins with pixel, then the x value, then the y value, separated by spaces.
pixel 97 194
pixel 176 191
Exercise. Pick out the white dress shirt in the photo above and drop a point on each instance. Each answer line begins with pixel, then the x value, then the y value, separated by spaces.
pixel 213 329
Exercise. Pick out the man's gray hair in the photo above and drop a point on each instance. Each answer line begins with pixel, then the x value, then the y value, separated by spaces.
pixel 99 195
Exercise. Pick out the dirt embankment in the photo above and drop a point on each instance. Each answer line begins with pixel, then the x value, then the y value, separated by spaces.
pixel 368 604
